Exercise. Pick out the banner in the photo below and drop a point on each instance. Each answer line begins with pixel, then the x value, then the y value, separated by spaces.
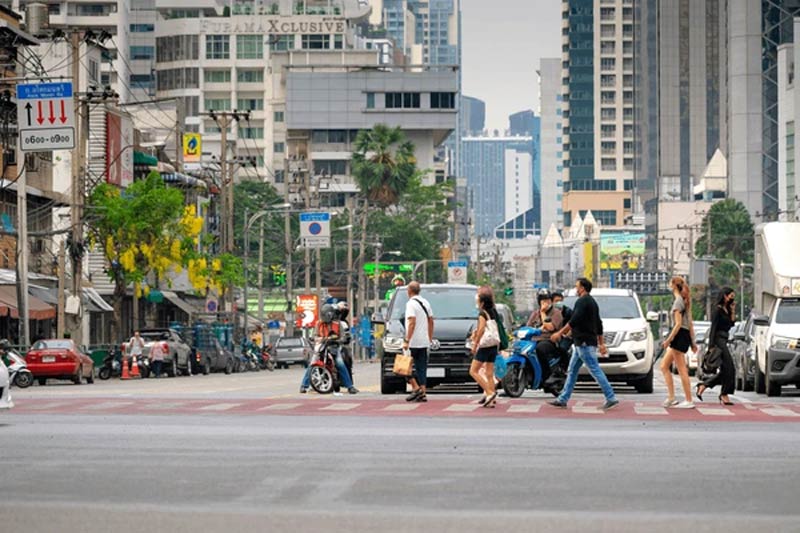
pixel 192 147
pixel 621 251
pixel 307 310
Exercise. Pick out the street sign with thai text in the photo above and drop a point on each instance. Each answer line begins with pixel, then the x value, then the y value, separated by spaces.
pixel 45 116
pixel 315 229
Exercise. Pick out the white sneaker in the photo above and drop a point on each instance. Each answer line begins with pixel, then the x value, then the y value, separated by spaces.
pixel 685 405
pixel 670 402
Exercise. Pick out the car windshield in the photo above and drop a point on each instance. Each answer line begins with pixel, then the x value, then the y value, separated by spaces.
pixel 291 343
pixel 155 335
pixel 612 306
pixel 53 345
pixel 446 302
pixel 788 312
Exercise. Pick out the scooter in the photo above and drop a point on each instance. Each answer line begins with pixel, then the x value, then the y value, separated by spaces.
pixel 323 375
pixel 18 373
pixel 112 366
pixel 522 370
pixel 267 362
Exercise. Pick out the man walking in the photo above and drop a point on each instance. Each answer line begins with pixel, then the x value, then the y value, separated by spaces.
pixel 587 334
pixel 135 347
pixel 419 335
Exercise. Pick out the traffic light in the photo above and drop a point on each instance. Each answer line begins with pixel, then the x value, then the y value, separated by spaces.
pixel 508 291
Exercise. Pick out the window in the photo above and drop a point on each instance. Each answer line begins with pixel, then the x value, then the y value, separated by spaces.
pixel 443 101
pixel 94 70
pixel 142 52
pixel 330 167
pixel 608 47
pixel 608 80
pixel 279 176
pixel 627 48
pixel 178 78
pixel 608 97
pixel 608 113
pixel 626 203
pixel 281 43
pixel 218 104
pixel 316 42
pixel 249 47
pixel 142 28
pixel 608 63
pixel 337 136
pixel 370 100
pixel 608 147
pixel 142 81
pixel 338 42
pixel 608 164
pixel 402 101
pixel 605 218
pixel 177 48
pixel 250 104
pixel 628 147
pixel 251 132
pixel 218 47
pixel 277 116
pixel 250 76
pixel 278 148
pixel 607 30
pixel 627 64
pixel 627 164
pixel 607 13
pixel 217 76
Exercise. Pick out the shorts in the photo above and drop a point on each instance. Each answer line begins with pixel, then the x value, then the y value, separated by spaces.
pixel 682 341
pixel 486 355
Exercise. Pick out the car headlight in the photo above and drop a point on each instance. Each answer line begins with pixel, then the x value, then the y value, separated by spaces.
pixel 391 342
pixel 783 343
pixel 636 336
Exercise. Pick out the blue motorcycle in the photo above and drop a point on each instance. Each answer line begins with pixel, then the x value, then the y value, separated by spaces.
pixel 522 370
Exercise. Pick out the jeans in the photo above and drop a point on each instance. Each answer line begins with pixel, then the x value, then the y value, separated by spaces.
pixel 420 356
pixel 157 365
pixel 585 355
pixel 344 375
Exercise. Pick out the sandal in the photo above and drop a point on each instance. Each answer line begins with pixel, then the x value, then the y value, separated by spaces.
pixel 491 401
pixel 697 391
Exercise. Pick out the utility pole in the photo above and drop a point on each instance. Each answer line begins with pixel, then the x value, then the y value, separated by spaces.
pixel 62 282
pixel 261 272
pixel 22 251
pixel 179 128
pixel 287 239
pixel 350 207
pixel 307 257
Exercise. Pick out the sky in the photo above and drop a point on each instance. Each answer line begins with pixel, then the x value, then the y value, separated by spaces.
pixel 502 42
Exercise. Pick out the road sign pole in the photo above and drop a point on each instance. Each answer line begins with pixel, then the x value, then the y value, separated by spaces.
pixel 22 252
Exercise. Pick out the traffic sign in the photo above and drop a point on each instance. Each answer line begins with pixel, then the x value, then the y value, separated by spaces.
pixel 45 116
pixel 192 147
pixel 315 229
pixel 457 272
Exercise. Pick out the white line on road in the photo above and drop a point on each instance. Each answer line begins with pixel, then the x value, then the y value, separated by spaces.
pixel 340 407
pixel 779 411
pixel 587 410
pixel 643 410
pixel 281 407
pixel 220 406
pixel 525 408
pixel 108 405
pixel 714 411
pixel 462 407
pixel 42 406
pixel 401 407
pixel 163 406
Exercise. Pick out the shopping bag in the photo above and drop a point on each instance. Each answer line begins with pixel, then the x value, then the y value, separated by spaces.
pixel 403 364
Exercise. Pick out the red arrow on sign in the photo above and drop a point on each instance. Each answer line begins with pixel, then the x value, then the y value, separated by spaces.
pixel 52 118
pixel 63 116
pixel 40 118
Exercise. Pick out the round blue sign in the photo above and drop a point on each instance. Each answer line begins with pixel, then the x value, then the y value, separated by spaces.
pixel 315 228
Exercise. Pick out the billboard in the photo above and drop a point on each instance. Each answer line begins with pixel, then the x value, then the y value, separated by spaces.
pixel 621 250
pixel 192 147
pixel 119 149
pixel 307 308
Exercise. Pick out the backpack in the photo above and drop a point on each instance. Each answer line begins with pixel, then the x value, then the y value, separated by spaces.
pixel 501 330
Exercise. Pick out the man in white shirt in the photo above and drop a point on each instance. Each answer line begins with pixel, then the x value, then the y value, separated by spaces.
pixel 419 335
pixel 135 347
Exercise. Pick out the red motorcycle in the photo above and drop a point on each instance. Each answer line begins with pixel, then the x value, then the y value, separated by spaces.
pixel 267 362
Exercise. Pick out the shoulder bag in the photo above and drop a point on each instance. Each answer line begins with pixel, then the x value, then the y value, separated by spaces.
pixel 491 335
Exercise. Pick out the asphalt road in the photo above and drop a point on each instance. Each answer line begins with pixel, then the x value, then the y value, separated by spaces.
pixel 202 468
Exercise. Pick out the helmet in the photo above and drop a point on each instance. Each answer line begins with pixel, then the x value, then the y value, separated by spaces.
pixel 399 278
pixel 327 313
pixel 543 294
pixel 4 344
pixel 343 309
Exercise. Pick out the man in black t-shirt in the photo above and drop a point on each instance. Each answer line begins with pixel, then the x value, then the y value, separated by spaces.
pixel 587 335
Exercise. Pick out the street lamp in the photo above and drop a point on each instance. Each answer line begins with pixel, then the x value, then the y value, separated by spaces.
pixel 378 256
pixel 248 224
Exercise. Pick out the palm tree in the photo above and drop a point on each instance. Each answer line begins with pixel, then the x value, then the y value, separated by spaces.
pixel 383 164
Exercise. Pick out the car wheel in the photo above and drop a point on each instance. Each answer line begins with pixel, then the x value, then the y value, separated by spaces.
pixel 78 378
pixel 206 368
pixel 23 380
pixel 773 389
pixel 173 371
pixel 42 381
pixel 645 386
pixel 758 381
pixel 229 366
pixel 90 379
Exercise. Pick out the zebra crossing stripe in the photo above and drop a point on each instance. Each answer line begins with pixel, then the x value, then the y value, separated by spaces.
pixel 401 407
pixel 462 407
pixel 281 407
pixel 584 410
pixel 219 406
pixel 643 410
pixel 340 407
pixel 714 411
pixel 107 405
pixel 779 411
pixel 525 408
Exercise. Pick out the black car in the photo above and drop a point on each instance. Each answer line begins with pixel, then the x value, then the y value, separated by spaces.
pixel 213 357
pixel 455 314
pixel 743 350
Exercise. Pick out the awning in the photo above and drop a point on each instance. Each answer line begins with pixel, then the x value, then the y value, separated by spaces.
pixel 178 177
pixel 140 158
pixel 179 302
pixel 39 310
pixel 95 302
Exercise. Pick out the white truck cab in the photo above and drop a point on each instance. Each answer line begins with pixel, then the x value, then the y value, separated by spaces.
pixel 777 305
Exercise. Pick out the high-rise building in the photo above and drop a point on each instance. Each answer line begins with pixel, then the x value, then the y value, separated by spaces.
pixel 597 79
pixel 550 157
pixel 522 123
pixel 473 115
pixel 143 49
pixel 788 114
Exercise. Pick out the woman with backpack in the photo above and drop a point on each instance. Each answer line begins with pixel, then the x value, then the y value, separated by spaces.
pixel 721 324
pixel 485 346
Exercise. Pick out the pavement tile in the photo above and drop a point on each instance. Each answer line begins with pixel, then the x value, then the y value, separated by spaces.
pixel 219 406
pixel 340 407
pixel 281 407
pixel 461 407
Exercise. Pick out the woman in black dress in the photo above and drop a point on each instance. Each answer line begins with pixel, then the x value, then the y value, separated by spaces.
pixel 721 323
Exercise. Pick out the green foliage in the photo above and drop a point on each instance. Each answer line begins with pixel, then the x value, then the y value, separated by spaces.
pixel 383 164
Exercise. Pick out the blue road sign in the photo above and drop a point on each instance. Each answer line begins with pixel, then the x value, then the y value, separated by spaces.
pixel 44 91
pixel 315 217
pixel 457 264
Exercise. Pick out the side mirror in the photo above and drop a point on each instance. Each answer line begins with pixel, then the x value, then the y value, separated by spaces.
pixel 378 318
pixel 738 336
pixel 761 320
pixel 652 316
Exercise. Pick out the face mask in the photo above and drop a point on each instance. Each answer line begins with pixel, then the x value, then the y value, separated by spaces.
pixel 558 305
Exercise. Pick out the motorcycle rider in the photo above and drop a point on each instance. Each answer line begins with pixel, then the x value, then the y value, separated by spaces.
pixel 328 326
pixel 547 318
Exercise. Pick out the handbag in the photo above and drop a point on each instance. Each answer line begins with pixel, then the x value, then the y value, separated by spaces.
pixel 491 336
pixel 712 360
pixel 403 364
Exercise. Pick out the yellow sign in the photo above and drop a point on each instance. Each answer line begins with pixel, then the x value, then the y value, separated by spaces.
pixel 588 261
pixel 192 147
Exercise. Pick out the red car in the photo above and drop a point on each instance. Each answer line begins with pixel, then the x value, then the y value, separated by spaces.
pixel 59 359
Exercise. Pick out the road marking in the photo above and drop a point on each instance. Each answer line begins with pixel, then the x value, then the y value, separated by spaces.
pixel 163 406
pixel 779 411
pixel 281 407
pixel 525 408
pixel 642 410
pixel 462 407
pixel 401 407
pixel 714 411
pixel 220 406
pixel 580 409
pixel 107 405
pixel 340 407
pixel 43 406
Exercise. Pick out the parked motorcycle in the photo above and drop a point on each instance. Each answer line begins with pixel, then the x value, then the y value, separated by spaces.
pixel 112 366
pixel 18 373
pixel 251 356
pixel 522 369
pixel 267 362
pixel 324 376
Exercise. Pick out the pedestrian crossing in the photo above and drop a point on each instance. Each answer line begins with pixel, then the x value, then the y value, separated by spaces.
pixel 435 407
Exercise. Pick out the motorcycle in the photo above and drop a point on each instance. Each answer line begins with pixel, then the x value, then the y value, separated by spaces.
pixel 267 362
pixel 251 356
pixel 522 369
pixel 18 373
pixel 112 366
pixel 323 375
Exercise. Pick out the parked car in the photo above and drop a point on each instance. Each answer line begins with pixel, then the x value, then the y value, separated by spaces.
pixel 627 336
pixel 5 387
pixel 743 350
pixel 292 350
pixel 179 352
pixel 701 328
pixel 218 358
pixel 59 359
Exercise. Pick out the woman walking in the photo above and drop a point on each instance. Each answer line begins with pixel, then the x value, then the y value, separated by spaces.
pixel 680 339
pixel 485 345
pixel 721 324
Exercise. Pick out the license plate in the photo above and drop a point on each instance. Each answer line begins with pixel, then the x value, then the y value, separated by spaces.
pixel 436 372
pixel 48 359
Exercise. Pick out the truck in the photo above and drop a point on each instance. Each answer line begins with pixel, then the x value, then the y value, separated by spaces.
pixel 776 283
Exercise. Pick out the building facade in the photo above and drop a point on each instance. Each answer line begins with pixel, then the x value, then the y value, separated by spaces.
pixel 473 115
pixel 788 108
pixel 550 160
